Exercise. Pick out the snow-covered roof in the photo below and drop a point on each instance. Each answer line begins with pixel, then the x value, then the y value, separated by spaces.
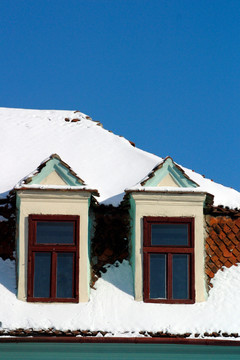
pixel 107 162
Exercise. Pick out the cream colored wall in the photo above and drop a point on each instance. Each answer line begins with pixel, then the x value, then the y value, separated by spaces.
pixel 168 181
pixel 53 179
pixel 170 205
pixel 53 203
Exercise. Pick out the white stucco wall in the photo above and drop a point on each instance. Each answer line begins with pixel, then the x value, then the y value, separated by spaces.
pixel 53 203
pixel 170 205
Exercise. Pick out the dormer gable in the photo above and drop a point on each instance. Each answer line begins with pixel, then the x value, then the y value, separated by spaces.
pixel 54 171
pixel 168 173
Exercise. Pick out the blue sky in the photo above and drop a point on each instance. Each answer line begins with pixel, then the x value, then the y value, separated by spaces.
pixel 164 74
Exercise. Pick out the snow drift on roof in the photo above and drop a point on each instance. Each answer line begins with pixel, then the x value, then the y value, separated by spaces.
pixel 106 162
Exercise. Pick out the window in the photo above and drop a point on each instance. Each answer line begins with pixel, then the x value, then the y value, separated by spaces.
pixel 53 255
pixel 168 248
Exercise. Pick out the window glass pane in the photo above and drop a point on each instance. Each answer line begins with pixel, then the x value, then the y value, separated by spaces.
pixel 42 275
pixel 180 269
pixel 65 275
pixel 169 234
pixel 157 276
pixel 54 232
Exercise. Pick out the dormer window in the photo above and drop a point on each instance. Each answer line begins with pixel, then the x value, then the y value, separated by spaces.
pixel 166 210
pixel 53 253
pixel 168 249
pixel 53 234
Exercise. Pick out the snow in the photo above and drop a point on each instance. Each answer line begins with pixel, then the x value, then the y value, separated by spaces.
pixel 163 189
pixel 112 307
pixel 110 164
pixel 105 161
pixel 223 195
pixel 52 187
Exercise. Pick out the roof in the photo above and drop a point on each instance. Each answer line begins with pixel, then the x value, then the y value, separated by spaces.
pixel 110 164
pixel 69 181
pixel 28 179
pixel 168 162
pixel 107 162
pixel 92 152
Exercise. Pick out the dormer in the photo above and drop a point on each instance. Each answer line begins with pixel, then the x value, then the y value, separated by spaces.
pixel 166 210
pixel 53 234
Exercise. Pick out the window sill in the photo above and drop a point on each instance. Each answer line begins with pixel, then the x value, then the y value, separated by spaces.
pixel 52 300
pixel 169 301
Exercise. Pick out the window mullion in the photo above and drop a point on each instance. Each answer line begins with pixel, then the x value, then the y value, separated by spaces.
pixel 169 276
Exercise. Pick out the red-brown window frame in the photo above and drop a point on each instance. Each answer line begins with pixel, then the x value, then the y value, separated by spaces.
pixel 33 248
pixel 148 249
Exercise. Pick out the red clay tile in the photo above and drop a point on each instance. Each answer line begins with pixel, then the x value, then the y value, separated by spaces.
pixel 228 264
pixel 222 244
pixel 213 221
pixel 237 222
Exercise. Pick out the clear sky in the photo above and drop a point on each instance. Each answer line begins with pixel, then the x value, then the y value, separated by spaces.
pixel 163 73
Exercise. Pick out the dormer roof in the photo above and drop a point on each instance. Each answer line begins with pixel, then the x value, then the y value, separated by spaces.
pixel 54 173
pixel 168 173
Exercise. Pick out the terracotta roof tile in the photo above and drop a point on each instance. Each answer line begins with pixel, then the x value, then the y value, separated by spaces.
pixel 222 243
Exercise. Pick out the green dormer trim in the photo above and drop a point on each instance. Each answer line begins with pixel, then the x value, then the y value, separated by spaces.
pixel 55 165
pixel 168 167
